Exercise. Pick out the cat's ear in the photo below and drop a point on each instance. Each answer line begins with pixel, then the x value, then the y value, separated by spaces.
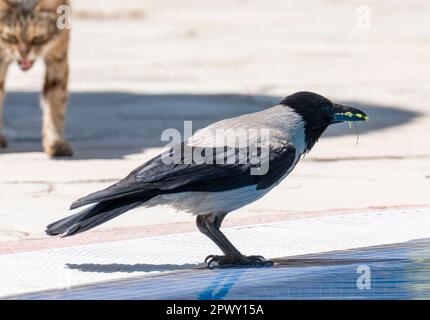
pixel 6 6
pixel 49 5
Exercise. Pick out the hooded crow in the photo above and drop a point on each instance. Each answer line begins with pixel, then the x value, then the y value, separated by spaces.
pixel 225 177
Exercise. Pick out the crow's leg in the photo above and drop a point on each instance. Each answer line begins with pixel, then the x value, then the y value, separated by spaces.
pixel 209 225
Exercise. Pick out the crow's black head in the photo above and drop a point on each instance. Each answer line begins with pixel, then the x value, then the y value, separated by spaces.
pixel 319 112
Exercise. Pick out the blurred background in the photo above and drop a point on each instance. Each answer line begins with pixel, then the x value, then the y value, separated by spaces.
pixel 140 67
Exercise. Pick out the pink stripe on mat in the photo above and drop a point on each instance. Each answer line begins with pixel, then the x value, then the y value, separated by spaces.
pixel 126 233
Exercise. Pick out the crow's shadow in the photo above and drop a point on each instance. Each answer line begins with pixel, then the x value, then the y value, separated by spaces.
pixel 289 262
pixel 110 125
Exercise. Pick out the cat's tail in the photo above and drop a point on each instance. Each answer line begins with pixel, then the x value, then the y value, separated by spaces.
pixel 91 217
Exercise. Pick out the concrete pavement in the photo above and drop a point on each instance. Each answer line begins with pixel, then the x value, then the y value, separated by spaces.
pixel 138 74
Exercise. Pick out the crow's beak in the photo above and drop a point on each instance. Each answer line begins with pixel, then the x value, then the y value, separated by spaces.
pixel 345 113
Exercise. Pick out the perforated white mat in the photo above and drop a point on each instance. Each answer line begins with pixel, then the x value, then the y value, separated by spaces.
pixel 69 267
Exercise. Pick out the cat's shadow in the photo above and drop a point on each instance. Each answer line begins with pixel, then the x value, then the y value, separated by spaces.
pixel 111 125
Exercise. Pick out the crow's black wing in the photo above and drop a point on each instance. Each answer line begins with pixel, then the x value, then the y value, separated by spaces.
pixel 217 169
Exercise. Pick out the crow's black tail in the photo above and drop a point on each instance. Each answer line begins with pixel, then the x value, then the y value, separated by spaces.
pixel 92 217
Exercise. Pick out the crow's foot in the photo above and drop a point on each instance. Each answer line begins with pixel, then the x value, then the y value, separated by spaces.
pixel 237 262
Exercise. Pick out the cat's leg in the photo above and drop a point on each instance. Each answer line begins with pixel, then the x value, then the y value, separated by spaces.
pixel 3 71
pixel 54 105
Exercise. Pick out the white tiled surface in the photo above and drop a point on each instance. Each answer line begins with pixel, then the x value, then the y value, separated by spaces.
pixel 73 266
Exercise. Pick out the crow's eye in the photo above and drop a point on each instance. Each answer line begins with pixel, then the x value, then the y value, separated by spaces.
pixel 39 40
pixel 10 38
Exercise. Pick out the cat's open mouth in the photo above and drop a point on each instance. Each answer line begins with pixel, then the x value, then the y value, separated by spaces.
pixel 25 64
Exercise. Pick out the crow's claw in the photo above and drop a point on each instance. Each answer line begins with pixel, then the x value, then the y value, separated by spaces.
pixel 214 261
pixel 210 258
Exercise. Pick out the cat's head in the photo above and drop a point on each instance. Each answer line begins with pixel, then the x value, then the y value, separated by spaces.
pixel 28 29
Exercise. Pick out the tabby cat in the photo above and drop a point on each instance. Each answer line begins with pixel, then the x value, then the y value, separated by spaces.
pixel 28 31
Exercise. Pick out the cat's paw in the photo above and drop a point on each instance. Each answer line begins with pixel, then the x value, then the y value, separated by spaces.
pixel 3 142
pixel 59 148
